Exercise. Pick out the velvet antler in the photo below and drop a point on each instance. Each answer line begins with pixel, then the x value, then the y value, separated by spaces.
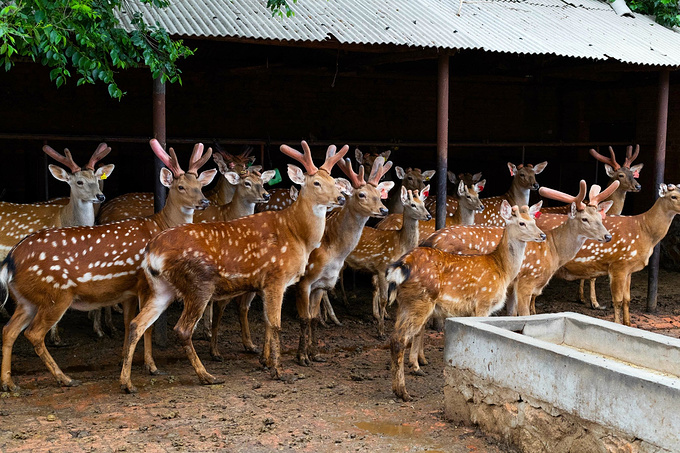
pixel 169 160
pixel 305 159
pixel 607 160
pixel 630 158
pixel 380 167
pixel 66 159
pixel 561 196
pixel 198 159
pixel 595 196
pixel 101 152
pixel 332 157
pixel 357 180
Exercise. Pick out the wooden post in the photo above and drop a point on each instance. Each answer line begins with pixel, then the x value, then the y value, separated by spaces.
pixel 159 192
pixel 659 168
pixel 442 138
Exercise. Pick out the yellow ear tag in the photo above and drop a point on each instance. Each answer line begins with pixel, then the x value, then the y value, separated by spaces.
pixel 103 176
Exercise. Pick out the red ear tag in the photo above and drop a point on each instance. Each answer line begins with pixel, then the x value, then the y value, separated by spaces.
pixel 537 215
pixel 425 194
pixel 636 175
pixel 383 194
pixel 603 214
pixel 480 188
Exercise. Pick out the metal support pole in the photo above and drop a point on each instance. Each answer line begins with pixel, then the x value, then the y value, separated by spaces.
pixel 659 168
pixel 442 138
pixel 159 192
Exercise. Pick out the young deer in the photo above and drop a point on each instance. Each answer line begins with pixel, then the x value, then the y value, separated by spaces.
pixel 141 204
pixel 452 201
pixel 19 220
pixel 468 204
pixel 633 241
pixel 342 234
pixel 411 179
pixel 90 267
pixel 431 281
pixel 377 249
pixel 265 253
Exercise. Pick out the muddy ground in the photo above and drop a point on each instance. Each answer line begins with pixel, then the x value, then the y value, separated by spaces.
pixel 345 404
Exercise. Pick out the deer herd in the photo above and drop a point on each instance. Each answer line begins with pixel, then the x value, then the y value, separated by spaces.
pixel 240 240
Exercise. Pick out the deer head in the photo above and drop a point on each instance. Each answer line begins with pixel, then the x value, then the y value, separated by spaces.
pixel 366 160
pixel 521 222
pixel 468 196
pixel 185 187
pixel 670 194
pixel 250 185
pixel 624 174
pixel 366 196
pixel 237 163
pixel 525 175
pixel 413 178
pixel 414 203
pixel 468 178
pixel 84 183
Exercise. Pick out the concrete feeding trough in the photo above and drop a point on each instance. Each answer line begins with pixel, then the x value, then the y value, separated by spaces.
pixel 564 382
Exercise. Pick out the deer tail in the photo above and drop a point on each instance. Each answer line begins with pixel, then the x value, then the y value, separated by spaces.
pixel 6 273
pixel 397 273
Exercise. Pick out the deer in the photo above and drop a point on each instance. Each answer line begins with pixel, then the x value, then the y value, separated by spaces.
pixel 429 281
pixel 141 204
pixel 367 160
pixel 411 179
pixel 19 220
pixel 633 241
pixel 265 253
pixel 89 267
pixel 452 201
pixel 377 249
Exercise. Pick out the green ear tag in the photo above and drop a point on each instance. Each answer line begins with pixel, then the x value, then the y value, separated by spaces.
pixel 276 179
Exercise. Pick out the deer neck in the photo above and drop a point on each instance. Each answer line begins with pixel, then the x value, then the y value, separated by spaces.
pixel 517 195
pixel 77 213
pixel 408 235
pixel 657 220
pixel 463 216
pixel 618 197
pixel 223 192
pixel 344 229
pixel 172 215
pixel 509 255
pixel 238 207
pixel 306 221
pixel 564 242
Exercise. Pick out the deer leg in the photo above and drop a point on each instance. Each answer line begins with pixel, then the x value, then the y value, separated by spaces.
pixel 302 302
pixel 45 318
pixel 194 306
pixel 593 296
pixel 414 356
pixel 244 307
pixel 616 285
pixel 626 300
pixel 323 317
pixel 96 317
pixel 513 300
pixel 342 286
pixel 524 297
pixel 128 314
pixel 108 320
pixel 533 304
pixel 218 310
pixel 160 298
pixel 581 295
pixel 315 307
pixel 329 309
pixel 272 301
pixel 382 298
pixel 376 306
pixel 17 323
pixel 55 339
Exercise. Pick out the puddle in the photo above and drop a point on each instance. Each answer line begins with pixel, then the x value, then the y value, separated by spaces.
pixel 387 429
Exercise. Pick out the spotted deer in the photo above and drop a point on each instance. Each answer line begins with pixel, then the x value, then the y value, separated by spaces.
pixel 451 200
pixel 280 199
pixel 377 249
pixel 91 266
pixel 265 253
pixel 428 281
pixel 141 204
pixel 19 220
pixel 411 179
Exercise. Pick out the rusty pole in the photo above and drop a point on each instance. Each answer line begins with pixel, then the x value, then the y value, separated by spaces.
pixel 659 168
pixel 442 137
pixel 159 191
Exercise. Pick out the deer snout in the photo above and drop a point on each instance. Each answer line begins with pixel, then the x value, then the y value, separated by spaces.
pixel 101 198
pixel 204 203
pixel 607 237
pixel 266 196
pixel 341 200
pixel 542 236
pixel 535 186
pixel 384 211
pixel 428 217
pixel 637 187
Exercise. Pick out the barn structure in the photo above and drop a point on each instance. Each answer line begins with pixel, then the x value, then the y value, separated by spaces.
pixel 463 84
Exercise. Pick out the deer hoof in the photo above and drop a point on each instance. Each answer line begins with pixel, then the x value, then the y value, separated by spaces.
pixel 211 380
pixel 128 388
pixel 598 307
pixel 423 361
pixel 403 394
pixel 11 387
pixel 71 383
pixel 303 360
pixel 418 372
pixel 252 349
pixel 319 358
pixel 217 358
pixel 277 373
pixel 337 323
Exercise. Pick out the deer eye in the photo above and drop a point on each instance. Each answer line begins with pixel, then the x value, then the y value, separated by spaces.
pixel 413 205
pixel 522 224
pixel 673 197
pixel 248 184
pixel 362 195
pixel 80 183
pixel 317 183
pixel 181 187
pixel 621 175
pixel 585 220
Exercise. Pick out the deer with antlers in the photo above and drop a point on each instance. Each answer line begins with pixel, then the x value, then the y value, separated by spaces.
pixel 141 204
pixel 377 249
pixel 91 266
pixel 429 281
pixel 19 220
pixel 265 253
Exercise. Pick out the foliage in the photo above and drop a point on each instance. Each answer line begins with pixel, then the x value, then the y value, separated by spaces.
pixel 85 38
pixel 667 12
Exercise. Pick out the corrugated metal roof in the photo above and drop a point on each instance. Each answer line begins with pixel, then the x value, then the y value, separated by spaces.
pixel 570 28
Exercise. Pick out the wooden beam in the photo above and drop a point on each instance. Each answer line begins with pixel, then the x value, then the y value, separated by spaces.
pixel 442 138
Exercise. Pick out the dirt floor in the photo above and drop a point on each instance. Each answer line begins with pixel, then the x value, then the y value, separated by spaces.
pixel 345 404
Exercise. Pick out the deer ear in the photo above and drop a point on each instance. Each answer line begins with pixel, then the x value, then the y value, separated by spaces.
pixel 535 209
pixel 294 193
pixel 59 173
pixel 296 174
pixel 404 195
pixel 512 168
pixel 267 176
pixel 166 177
pixel 344 185
pixel 425 192
pixel 610 171
pixel 573 211
pixel 359 156
pixel 538 168
pixel 461 188
pixel 603 207
pixel 221 164
pixel 206 177
pixel 400 172
pixel 385 187
pixel 636 170
pixel 104 171
pixel 232 177
pixel 451 176
pixel 663 190
pixel 479 186
pixel 476 177
pixel 427 175
pixel 506 210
